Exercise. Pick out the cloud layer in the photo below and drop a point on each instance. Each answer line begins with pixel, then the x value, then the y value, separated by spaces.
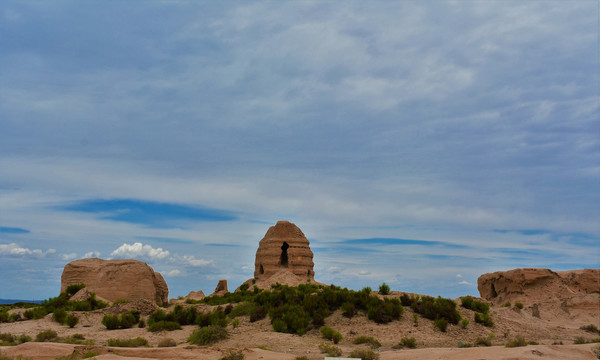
pixel 411 141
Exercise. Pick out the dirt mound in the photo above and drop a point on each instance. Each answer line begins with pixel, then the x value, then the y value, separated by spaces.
pixel 538 285
pixel 116 279
pixel 145 307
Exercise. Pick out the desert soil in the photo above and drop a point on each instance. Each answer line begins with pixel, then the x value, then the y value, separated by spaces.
pixel 553 327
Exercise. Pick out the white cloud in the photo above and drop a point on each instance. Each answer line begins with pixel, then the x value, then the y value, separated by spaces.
pixel 137 250
pixel 91 254
pixel 191 260
pixel 15 250
pixel 459 276
pixel 174 272
pixel 69 256
pixel 465 283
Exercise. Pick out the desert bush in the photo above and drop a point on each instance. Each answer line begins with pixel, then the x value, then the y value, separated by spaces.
pixel 167 342
pixel 348 309
pixel 258 313
pixel 590 328
pixel 469 302
pixel 364 355
pixel 464 323
pixel 7 339
pixel 73 289
pixel 415 320
pixel 374 343
pixel 90 354
pixel 35 313
pixel 60 315
pixel 383 312
pixel 72 320
pixel 77 339
pixel 506 304
pixel 233 355
pixel 331 334
pixel 484 319
pixel 142 324
pixel 23 338
pixel 481 341
pixel 111 322
pixel 441 324
pixel 235 322
pixel 330 350
pixel 301 358
pixel 164 326
pixel 435 308
pixel 208 335
pixel 295 318
pixel 406 342
pixel 384 289
pixel 462 344
pixel 516 342
pixel 126 320
pixel 518 305
pixel 243 309
pixel 46 335
pixel 136 342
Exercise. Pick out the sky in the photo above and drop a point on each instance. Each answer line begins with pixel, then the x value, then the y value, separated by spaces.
pixel 417 143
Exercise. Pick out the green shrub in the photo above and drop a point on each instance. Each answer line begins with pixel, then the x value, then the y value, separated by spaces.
pixel 60 315
pixel 72 320
pixel 279 325
pixel 331 334
pixel 441 324
pixel 46 335
pixel 164 326
pixel 111 322
pixel 235 323
pixel 506 304
pixel 259 313
pixel 516 342
pixel 462 344
pixel 301 358
pixel 330 350
pixel 208 335
pixel 243 309
pixel 406 342
pixel 518 305
pixel 384 289
pixel 35 313
pixel 127 320
pixel 415 320
pixel 142 324
pixel 136 342
pixel 484 319
pixel 469 302
pixel 383 312
pixel 464 323
pixel 481 341
pixel 348 309
pixel 73 289
pixel 7 339
pixel 435 308
pixel 90 354
pixel 23 339
pixel 374 343
pixel 233 355
pixel 364 355
pixel 591 328
pixel 168 342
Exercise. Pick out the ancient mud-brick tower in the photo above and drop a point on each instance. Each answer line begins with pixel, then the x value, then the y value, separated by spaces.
pixel 284 247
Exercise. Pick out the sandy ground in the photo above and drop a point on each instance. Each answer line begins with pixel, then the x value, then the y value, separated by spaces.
pixel 554 328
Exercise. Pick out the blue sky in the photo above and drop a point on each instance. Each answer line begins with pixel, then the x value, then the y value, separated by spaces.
pixel 417 143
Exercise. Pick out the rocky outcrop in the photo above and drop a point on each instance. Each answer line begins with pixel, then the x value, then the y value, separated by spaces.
pixel 116 279
pixel 221 288
pixel 531 285
pixel 284 246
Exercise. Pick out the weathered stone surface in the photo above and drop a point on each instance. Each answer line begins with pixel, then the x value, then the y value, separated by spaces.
pixel 530 285
pixel 116 279
pixel 284 246
pixel 221 288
